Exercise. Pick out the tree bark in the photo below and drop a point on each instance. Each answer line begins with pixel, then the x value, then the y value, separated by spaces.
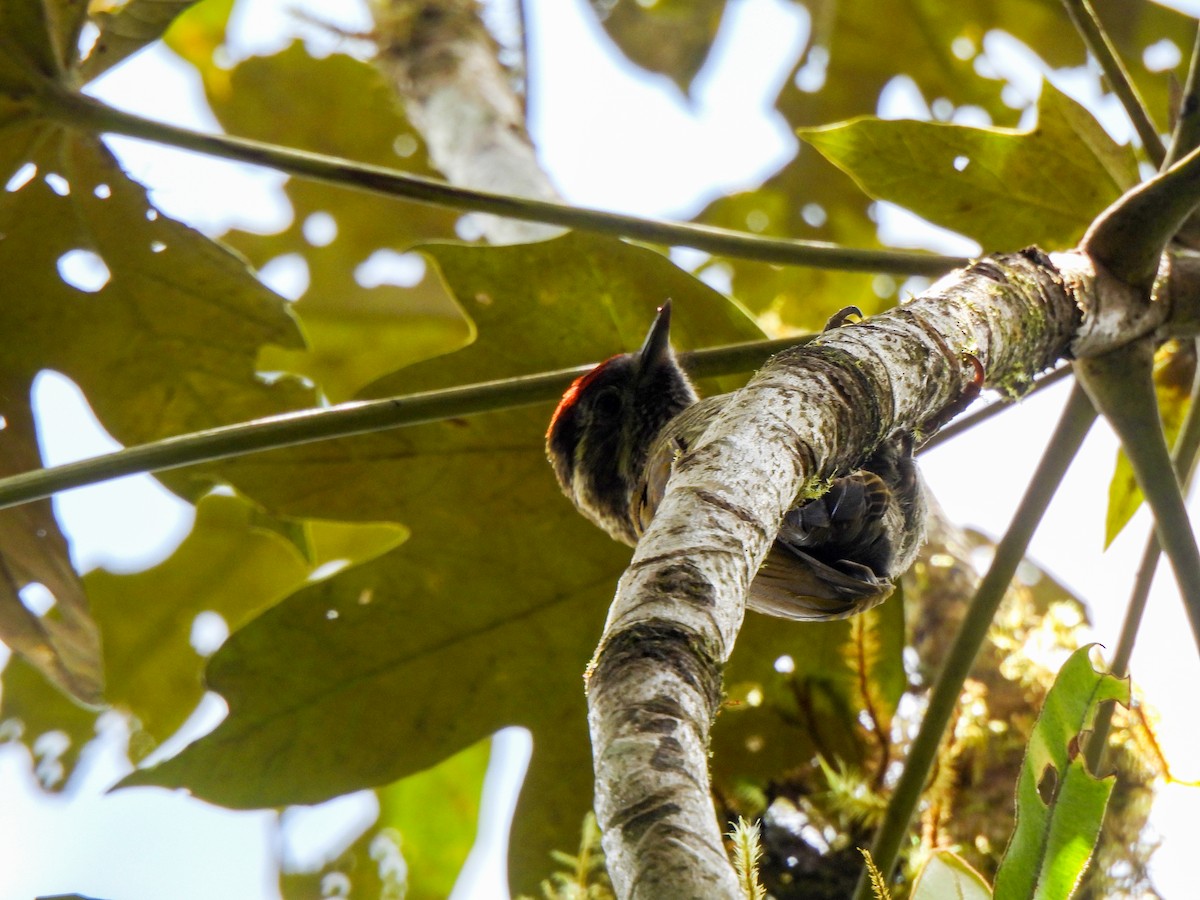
pixel 809 415
pixel 444 65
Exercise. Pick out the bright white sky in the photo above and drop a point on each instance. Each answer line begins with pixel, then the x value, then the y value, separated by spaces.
pixel 615 139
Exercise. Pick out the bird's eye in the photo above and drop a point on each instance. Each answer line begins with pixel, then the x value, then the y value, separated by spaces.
pixel 608 403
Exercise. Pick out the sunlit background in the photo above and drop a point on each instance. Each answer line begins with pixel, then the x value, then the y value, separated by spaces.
pixel 611 137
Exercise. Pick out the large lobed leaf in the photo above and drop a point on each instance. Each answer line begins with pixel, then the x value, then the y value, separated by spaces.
pixel 1044 186
pixel 356 330
pixel 936 47
pixel 487 616
pixel 230 566
pixel 159 326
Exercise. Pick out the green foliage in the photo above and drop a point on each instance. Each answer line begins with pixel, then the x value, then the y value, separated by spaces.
pixel 429 628
pixel 228 567
pixel 584 876
pixel 1005 189
pixel 129 28
pixel 1060 805
pixel 471 594
pixel 344 107
pixel 140 287
pixel 418 843
pixel 671 37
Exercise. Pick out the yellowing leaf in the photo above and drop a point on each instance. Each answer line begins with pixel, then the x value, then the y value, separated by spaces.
pixel 947 875
pixel 63 644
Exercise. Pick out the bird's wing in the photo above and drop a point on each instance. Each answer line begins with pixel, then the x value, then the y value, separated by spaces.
pixel 850 514
pixel 793 585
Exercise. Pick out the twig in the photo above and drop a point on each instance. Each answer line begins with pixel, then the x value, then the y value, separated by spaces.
pixel 81 111
pixel 1186 136
pixel 1088 24
pixel 343 420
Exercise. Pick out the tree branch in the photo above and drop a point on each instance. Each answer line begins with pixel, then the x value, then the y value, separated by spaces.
pixel 806 417
pixel 446 67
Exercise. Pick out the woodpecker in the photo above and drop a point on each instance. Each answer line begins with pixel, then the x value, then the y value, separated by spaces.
pixel 620 428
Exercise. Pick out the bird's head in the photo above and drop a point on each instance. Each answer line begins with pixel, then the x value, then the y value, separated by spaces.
pixel 601 433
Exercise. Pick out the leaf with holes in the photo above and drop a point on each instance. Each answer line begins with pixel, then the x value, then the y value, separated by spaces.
pixel 1043 186
pixel 1060 805
pixel 371 306
pixel 159 326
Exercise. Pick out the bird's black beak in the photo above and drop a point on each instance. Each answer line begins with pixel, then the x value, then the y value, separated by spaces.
pixel 657 346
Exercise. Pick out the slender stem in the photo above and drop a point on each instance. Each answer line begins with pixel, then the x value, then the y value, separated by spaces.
pixel 1186 135
pixel 81 111
pixel 1097 742
pixel 345 419
pixel 1174 530
pixel 1088 24
pixel 1077 417
pixel 1120 384
pixel 1183 460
